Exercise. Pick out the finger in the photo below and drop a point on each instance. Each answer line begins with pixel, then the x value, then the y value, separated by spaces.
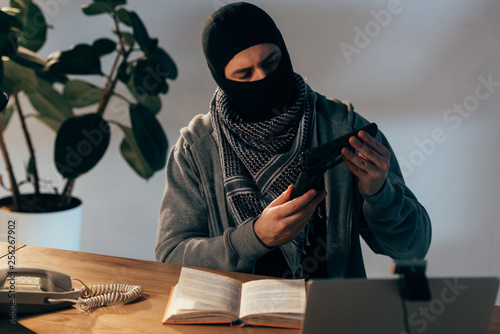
pixel 374 144
pixel 355 164
pixel 378 157
pixel 298 203
pixel 301 217
pixel 283 198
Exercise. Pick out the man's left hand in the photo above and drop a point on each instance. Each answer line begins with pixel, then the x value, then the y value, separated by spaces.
pixel 370 165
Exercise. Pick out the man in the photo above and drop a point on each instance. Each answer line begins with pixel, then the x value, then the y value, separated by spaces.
pixel 228 180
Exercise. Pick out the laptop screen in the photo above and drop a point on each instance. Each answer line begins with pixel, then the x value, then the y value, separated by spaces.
pixel 457 305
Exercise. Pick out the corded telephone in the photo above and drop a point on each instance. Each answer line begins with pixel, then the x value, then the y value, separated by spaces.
pixel 33 289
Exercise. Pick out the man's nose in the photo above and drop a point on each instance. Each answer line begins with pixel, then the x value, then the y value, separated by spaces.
pixel 261 73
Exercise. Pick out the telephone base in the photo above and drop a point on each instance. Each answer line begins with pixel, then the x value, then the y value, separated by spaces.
pixel 36 302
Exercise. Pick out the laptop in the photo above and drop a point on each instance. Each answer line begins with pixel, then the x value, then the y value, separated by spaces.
pixel 457 305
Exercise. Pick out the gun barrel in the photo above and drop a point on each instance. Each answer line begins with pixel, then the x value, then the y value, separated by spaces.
pixel 328 153
pixel 316 161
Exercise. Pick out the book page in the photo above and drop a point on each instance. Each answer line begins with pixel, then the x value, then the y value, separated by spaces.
pixel 273 296
pixel 201 290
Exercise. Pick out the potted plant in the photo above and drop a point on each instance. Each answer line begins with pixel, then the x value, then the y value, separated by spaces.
pixel 61 99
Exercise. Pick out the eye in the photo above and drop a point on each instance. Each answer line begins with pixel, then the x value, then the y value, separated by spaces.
pixel 273 61
pixel 245 75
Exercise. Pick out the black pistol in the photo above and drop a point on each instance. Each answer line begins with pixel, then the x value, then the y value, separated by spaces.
pixel 316 161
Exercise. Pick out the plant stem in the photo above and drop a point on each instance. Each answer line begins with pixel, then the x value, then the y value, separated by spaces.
pixel 36 180
pixel 66 194
pixel 110 85
pixel 16 196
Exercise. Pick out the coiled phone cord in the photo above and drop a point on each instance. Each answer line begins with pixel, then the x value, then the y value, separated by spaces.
pixel 107 294
pixel 103 295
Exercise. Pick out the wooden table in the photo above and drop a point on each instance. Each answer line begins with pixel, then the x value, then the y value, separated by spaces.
pixel 143 316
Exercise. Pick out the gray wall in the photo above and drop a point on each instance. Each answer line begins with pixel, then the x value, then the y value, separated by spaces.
pixel 418 72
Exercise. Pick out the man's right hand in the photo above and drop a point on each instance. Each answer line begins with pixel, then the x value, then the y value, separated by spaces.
pixel 283 219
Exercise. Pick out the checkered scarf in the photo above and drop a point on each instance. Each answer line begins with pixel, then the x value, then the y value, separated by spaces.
pixel 260 160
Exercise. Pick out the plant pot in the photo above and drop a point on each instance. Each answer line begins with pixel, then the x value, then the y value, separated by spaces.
pixel 59 229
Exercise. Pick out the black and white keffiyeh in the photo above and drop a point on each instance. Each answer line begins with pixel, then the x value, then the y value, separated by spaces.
pixel 260 160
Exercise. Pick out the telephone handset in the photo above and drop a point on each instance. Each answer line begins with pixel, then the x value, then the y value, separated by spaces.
pixel 33 289
pixel 26 289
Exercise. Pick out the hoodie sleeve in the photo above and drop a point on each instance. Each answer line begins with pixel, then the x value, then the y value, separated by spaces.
pixel 396 224
pixel 190 229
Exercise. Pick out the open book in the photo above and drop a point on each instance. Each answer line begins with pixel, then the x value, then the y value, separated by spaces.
pixel 202 297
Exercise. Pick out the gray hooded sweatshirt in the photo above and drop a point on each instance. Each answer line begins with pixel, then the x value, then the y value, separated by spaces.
pixel 196 228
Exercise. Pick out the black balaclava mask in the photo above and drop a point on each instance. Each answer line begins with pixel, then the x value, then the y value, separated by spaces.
pixel 234 28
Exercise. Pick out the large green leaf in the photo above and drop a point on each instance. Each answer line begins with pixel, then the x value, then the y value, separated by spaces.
pixel 5 116
pixel 167 67
pixel 79 93
pixel 124 17
pixel 51 106
pixel 148 78
pixel 79 59
pixel 132 154
pixel 10 28
pixel 152 102
pixel 8 19
pixel 126 75
pixel 52 77
pixel 4 100
pixel 17 77
pixel 141 34
pixel 80 144
pixel 149 136
pixel 8 44
pixel 97 8
pixel 103 46
pixel 34 33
